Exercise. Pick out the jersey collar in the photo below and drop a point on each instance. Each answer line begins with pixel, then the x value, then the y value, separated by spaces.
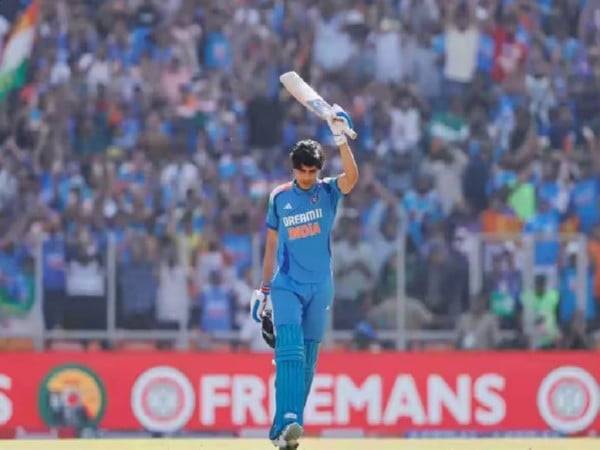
pixel 299 190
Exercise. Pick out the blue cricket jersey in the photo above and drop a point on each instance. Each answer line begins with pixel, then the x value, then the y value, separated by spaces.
pixel 304 222
pixel 547 247
pixel 584 200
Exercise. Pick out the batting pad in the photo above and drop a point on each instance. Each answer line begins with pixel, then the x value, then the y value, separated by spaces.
pixel 311 351
pixel 289 380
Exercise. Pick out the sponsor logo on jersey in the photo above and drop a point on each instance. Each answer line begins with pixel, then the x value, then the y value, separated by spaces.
pixel 303 225
pixel 302 218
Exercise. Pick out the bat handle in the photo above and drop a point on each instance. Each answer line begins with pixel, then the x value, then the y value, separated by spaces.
pixel 347 130
pixel 351 133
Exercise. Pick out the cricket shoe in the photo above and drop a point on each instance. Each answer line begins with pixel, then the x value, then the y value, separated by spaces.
pixel 288 438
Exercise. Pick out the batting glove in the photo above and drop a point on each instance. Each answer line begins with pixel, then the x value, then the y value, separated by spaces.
pixel 340 125
pixel 258 302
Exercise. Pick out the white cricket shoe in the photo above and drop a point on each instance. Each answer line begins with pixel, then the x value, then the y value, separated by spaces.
pixel 288 438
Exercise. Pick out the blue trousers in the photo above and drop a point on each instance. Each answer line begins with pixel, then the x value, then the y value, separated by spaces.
pixel 300 315
pixel 304 304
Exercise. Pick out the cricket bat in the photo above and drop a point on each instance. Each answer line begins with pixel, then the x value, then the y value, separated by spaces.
pixel 306 95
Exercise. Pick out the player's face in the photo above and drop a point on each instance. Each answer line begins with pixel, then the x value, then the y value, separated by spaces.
pixel 306 176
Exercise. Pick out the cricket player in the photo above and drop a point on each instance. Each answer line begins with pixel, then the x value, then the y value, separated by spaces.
pixel 300 221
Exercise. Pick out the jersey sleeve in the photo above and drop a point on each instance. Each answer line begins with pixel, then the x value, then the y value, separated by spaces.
pixel 272 216
pixel 336 193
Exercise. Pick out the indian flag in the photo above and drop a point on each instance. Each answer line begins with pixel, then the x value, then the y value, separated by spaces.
pixel 15 56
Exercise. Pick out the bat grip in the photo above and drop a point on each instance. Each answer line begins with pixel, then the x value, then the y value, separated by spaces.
pixel 351 133
pixel 347 130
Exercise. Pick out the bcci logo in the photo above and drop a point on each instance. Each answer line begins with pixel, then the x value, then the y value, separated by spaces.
pixel 162 399
pixel 568 399
pixel 72 395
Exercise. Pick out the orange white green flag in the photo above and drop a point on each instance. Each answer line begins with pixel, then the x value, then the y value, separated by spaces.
pixel 17 51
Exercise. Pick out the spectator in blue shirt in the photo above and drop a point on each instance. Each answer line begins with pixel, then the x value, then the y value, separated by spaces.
pixel 585 198
pixel 216 304
pixel 544 226
pixel 54 266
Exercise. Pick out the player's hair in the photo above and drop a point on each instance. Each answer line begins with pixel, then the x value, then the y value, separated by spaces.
pixel 307 153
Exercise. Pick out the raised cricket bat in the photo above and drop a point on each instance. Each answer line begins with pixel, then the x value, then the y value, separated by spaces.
pixel 306 95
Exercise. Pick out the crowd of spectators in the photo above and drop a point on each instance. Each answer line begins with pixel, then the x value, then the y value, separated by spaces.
pixel 161 127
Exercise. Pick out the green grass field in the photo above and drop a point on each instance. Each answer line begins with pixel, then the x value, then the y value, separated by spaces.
pixel 307 444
